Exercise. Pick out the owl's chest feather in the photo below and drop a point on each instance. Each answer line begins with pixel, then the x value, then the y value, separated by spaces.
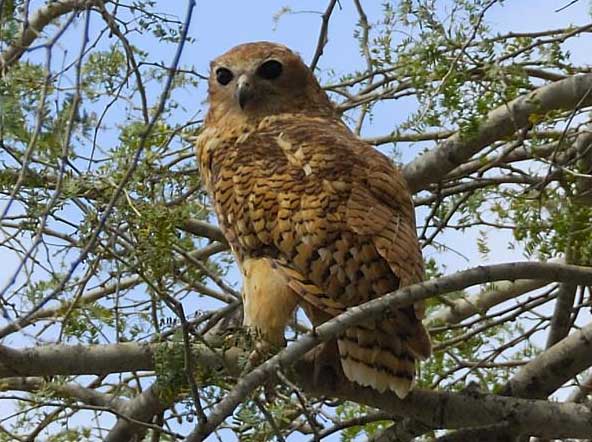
pixel 245 175
pixel 274 189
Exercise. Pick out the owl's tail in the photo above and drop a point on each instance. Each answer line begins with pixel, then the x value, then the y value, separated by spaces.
pixel 382 355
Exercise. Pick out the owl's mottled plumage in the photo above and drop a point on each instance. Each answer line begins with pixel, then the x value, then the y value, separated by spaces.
pixel 315 216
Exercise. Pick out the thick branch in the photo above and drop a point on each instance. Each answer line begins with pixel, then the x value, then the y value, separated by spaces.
pixel 141 408
pixel 51 360
pixel 571 93
pixel 201 228
pixel 460 410
pixel 460 309
pixel 552 368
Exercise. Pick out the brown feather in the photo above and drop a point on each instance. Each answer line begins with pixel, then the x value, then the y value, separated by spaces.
pixel 313 214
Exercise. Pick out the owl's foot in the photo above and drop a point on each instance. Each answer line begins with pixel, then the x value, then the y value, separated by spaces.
pixel 263 350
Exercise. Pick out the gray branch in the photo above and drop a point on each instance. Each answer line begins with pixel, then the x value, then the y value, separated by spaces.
pixel 436 409
pixel 561 319
pixel 68 391
pixel 201 228
pixel 141 408
pixel 461 410
pixel 454 410
pixel 51 360
pixel 460 309
pixel 572 93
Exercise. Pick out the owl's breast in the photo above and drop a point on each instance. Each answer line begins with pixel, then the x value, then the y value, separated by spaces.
pixel 277 193
pixel 244 176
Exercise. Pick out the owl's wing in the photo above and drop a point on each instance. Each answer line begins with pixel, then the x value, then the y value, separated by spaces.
pixel 380 206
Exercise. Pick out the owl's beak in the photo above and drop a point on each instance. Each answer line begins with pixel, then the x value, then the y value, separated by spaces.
pixel 244 91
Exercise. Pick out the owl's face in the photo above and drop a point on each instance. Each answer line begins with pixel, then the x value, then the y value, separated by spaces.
pixel 255 80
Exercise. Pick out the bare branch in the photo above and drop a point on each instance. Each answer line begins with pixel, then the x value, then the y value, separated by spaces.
pixel 140 409
pixel 54 360
pixel 204 229
pixel 571 93
pixel 323 37
pixel 69 391
pixel 561 319
pixel 460 309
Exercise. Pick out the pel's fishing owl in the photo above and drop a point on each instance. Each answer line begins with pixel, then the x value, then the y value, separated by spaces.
pixel 314 216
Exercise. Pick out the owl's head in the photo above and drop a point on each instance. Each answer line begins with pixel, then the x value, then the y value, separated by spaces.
pixel 255 80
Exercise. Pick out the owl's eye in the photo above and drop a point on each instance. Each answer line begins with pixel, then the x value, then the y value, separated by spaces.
pixel 270 70
pixel 224 76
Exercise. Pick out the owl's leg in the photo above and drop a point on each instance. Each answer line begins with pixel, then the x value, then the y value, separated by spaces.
pixel 268 304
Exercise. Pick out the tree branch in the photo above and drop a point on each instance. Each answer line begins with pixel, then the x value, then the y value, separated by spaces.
pixel 68 391
pixel 51 360
pixel 561 319
pixel 460 309
pixel 323 37
pixel 141 409
pixel 201 228
pixel 99 293
pixel 553 367
pixel 545 374
pixel 59 359
pixel 462 410
pixel 571 93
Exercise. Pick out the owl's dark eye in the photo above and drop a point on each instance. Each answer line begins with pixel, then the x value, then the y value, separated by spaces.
pixel 224 76
pixel 270 70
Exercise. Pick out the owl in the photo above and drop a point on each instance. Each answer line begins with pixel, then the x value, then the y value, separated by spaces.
pixel 316 217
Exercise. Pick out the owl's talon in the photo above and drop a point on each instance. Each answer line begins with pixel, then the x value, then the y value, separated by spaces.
pixel 263 350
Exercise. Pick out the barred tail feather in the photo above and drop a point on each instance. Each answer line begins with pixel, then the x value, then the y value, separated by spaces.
pixel 384 361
